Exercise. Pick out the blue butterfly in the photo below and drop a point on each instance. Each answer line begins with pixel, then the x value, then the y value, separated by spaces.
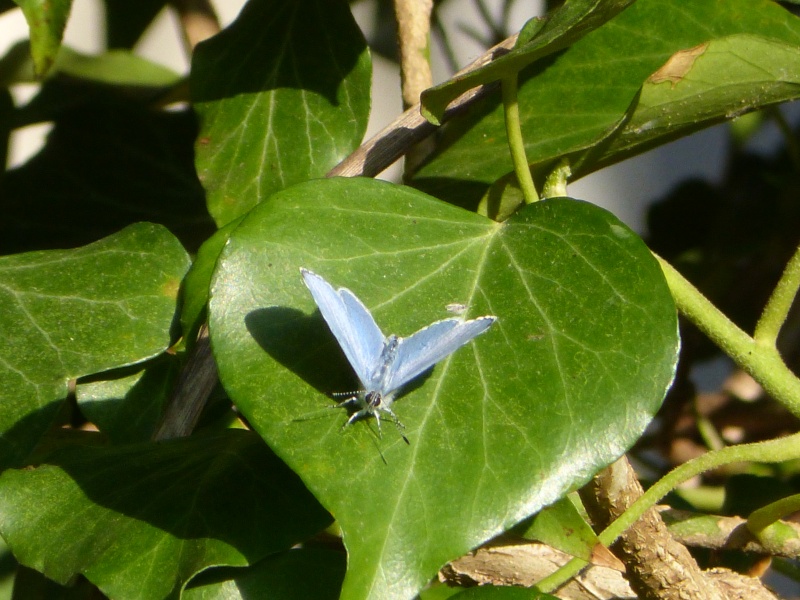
pixel 384 364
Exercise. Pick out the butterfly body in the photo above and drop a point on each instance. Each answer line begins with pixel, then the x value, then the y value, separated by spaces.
pixel 384 364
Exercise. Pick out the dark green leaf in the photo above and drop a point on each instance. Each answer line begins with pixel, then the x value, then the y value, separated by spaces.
pixel 281 577
pixel 140 521
pixel 128 406
pixel 283 96
pixel 126 20
pixel 565 381
pixel 569 23
pixel 580 100
pixel 75 312
pixel 46 21
pixel 103 167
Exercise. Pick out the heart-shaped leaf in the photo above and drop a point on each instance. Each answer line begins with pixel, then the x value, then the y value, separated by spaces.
pixel 139 521
pixel 282 95
pixel 69 313
pixel 562 384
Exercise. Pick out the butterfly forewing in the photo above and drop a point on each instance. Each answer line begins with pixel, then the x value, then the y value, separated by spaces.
pixel 351 324
pixel 428 346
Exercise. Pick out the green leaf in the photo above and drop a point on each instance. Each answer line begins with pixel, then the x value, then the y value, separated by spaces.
pixel 566 380
pixel 71 313
pixel 581 99
pixel 114 67
pixel 105 166
pixel 128 406
pixel 709 83
pixel 569 23
pixel 562 526
pixel 281 577
pixel 46 21
pixel 195 286
pixel 283 96
pixel 140 521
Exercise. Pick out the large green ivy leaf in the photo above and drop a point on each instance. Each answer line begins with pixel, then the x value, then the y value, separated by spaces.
pixel 68 313
pixel 567 24
pixel 567 379
pixel 585 95
pixel 283 96
pixel 46 21
pixel 709 83
pixel 139 521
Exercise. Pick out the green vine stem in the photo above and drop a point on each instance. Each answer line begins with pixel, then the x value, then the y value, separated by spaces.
pixel 764 517
pixel 762 361
pixel 777 308
pixel 771 451
pixel 760 358
pixel 515 143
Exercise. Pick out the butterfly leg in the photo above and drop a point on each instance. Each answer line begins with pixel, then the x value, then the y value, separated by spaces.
pixel 400 427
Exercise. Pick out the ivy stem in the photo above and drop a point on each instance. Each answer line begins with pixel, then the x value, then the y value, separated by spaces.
pixel 761 361
pixel 515 143
pixel 771 451
pixel 764 517
pixel 777 308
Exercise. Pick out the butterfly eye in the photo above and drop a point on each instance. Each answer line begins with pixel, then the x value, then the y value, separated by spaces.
pixel 374 399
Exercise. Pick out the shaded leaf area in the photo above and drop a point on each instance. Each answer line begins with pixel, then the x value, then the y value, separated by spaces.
pixel 126 21
pixel 282 95
pixel 29 583
pixel 105 165
pixel 139 521
pixel 584 103
pixel 126 405
pixel 280 577
pixel 570 22
pixel 567 379
pixel 75 312
pixel 46 21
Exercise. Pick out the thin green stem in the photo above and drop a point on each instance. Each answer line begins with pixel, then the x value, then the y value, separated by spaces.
pixel 515 143
pixel 762 362
pixel 776 310
pixel 767 515
pixel 771 451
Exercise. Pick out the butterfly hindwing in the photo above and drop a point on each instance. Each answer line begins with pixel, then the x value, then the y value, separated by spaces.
pixel 419 352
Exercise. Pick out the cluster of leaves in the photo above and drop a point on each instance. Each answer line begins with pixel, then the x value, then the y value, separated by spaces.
pixel 98 333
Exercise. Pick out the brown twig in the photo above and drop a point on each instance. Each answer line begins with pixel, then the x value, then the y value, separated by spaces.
pixel 383 149
pixel 197 380
pixel 198 21
pixel 658 567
